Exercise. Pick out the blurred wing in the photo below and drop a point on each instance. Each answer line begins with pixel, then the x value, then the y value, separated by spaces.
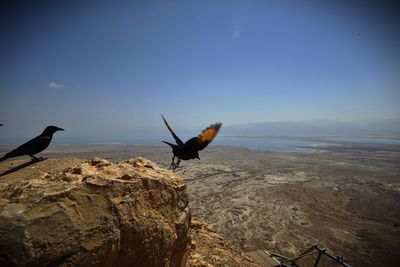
pixel 177 140
pixel 206 136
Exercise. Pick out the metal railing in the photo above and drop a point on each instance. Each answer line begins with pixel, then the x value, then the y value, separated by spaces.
pixel 315 250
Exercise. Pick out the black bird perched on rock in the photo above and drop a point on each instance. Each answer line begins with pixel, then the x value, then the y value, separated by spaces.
pixel 190 149
pixel 34 146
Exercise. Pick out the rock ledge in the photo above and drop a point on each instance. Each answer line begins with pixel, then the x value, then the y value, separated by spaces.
pixel 96 214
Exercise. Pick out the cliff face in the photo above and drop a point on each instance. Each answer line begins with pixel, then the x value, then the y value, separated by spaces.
pixel 95 214
pixel 208 248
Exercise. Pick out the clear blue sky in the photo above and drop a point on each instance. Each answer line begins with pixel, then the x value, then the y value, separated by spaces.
pixel 109 69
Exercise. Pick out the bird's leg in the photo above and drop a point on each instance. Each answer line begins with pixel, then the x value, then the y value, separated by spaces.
pixel 172 163
pixel 34 158
pixel 37 159
pixel 175 165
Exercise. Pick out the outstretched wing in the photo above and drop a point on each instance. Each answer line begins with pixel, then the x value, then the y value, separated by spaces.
pixel 177 140
pixel 207 135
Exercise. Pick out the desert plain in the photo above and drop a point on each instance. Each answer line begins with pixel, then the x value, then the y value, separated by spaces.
pixel 345 198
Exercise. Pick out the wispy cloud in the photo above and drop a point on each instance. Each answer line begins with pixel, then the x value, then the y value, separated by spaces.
pixel 236 32
pixel 53 84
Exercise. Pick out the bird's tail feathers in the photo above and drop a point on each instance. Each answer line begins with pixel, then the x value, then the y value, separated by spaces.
pixel 3 158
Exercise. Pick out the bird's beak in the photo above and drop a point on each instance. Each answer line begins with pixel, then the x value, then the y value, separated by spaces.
pixel 198 157
pixel 61 129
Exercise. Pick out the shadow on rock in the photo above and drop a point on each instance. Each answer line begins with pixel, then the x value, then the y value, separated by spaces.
pixel 21 166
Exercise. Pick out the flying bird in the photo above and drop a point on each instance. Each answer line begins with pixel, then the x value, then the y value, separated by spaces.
pixel 190 149
pixel 34 146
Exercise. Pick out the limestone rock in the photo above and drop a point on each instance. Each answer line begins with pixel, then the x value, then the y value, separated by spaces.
pixel 96 214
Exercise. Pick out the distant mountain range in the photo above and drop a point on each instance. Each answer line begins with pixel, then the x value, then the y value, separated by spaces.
pixel 384 128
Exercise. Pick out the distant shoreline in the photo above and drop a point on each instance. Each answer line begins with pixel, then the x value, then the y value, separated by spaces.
pixel 289 144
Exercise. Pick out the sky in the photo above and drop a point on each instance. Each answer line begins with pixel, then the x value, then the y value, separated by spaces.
pixel 108 69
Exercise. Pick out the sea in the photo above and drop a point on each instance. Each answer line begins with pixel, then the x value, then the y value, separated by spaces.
pixel 302 145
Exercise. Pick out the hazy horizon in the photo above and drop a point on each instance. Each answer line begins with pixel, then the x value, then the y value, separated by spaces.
pixel 106 70
pixel 153 135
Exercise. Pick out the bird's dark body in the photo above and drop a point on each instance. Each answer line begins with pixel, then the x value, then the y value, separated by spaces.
pixel 190 149
pixel 184 152
pixel 34 146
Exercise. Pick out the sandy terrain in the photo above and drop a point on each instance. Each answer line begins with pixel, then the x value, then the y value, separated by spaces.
pixel 345 199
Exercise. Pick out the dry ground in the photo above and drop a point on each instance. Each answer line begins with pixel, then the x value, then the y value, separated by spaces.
pixel 346 199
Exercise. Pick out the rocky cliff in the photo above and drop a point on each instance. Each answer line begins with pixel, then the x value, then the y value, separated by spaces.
pixel 65 212
pixel 93 214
